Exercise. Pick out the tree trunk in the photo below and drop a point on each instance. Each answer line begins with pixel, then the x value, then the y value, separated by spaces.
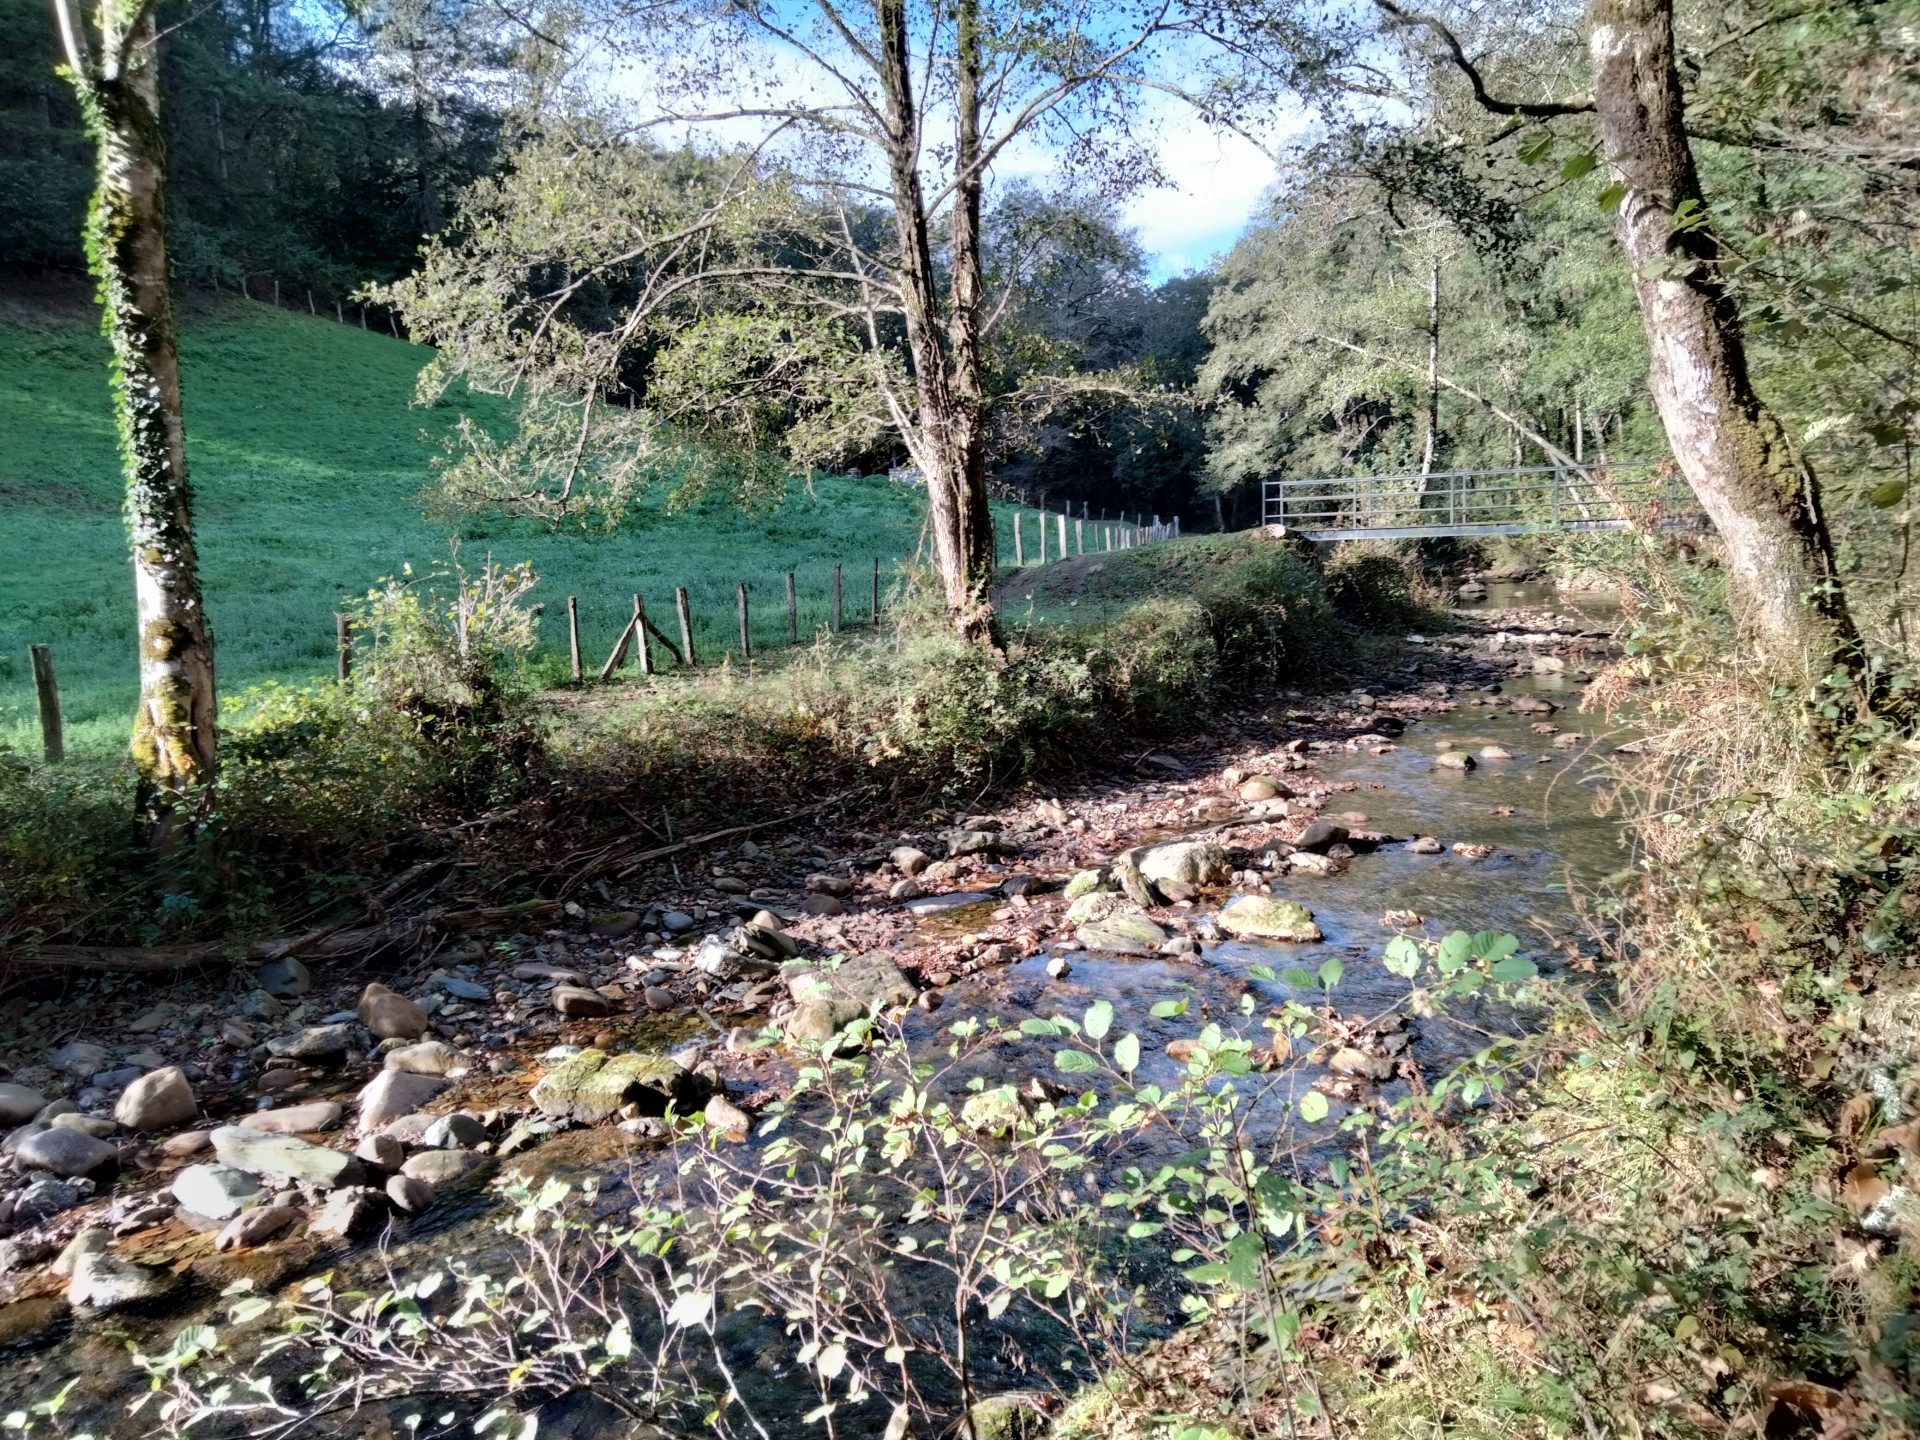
pixel 949 443
pixel 1760 493
pixel 1433 372
pixel 173 732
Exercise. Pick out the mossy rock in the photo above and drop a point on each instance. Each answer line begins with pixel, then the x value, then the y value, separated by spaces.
pixel 1095 905
pixel 995 1110
pixel 1122 934
pixel 592 1087
pixel 1084 883
pixel 1268 917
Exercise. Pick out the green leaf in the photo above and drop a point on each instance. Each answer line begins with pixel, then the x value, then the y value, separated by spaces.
pixel 1075 1062
pixel 1402 957
pixel 1207 1274
pixel 1141 1229
pixel 1611 197
pixel 1260 972
pixel 1299 979
pixel 1454 951
pixel 1514 969
pixel 1034 1025
pixel 1489 946
pixel 1313 1107
pixel 619 1341
pixel 1331 970
pixel 1536 148
pixel 1244 1254
pixel 1168 1009
pixel 1888 493
pixel 1098 1019
pixel 691 1308
pixel 1126 1052
pixel 1578 166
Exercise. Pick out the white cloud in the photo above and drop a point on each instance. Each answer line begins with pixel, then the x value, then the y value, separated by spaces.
pixel 1217 179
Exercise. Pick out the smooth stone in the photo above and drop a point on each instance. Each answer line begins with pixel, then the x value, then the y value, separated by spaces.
pixel 591 1087
pixel 349 1214
pixel 1320 834
pixel 427 1057
pixel 973 842
pixel 1268 917
pixel 839 996
pixel 462 989
pixel 952 900
pixel 97 1126
pixel 53 1109
pixel 285 1156
pixel 79 1059
pixel 821 883
pixel 720 960
pixel 390 1015
pixel 285 979
pixel 458 1131
pixel 442 1167
pixel 1348 1061
pixel 658 998
pixel 103 1281
pixel 909 861
pixel 383 1151
pixel 68 1153
pixel 284 1077
pixel 1122 933
pixel 1425 845
pixel 731 885
pixel 576 1002
pixel 259 1005
pixel 316 1042
pixel 409 1193
pixel 1307 862
pixel 117 1078
pixel 188 1142
pixel 296 1119
pixel 218 1192
pixel 255 1227
pixel 160 1100
pixel 409 1129
pixel 1084 882
pixel 1495 752
pixel 728 1118
pixel 534 970
pixel 18 1104
pixel 675 921
pixel 1187 862
pixel 907 889
pixel 824 905
pixel 1455 760
pixel 394 1093
pixel 91 1241
pixel 615 923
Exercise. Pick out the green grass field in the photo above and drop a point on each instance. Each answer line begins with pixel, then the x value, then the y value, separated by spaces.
pixel 307 461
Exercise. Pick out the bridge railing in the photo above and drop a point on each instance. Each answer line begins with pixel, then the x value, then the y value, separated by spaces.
pixel 1467 502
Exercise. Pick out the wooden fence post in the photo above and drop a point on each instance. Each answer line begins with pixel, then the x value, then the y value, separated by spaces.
pixel 746 644
pixel 1063 534
pixel 573 636
pixel 339 312
pixel 363 317
pixel 1080 536
pixel 276 293
pixel 793 611
pixel 876 592
pixel 640 635
pixel 686 624
pixel 1019 545
pixel 836 598
pixel 53 740
pixel 343 643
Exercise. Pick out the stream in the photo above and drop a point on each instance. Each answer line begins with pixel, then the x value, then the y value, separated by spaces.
pixel 1537 811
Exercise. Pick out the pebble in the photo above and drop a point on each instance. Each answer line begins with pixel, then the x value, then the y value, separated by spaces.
pixel 657 998
pixel 381 1150
pixel 160 1100
pixel 465 989
pixel 442 1167
pixel 43 1199
pixel 349 1214
pixel 729 1119
pixel 1495 752
pixel 1455 760
pixel 428 1057
pixel 323 1043
pixel 824 905
pixel 676 921
pixel 284 979
pixel 535 971
pixel 1058 968
pixel 79 1059
pixel 1425 845
pixel 458 1131
pixel 394 1093
pixel 103 1281
pixel 909 861
pixel 907 889
pixel 837 885
pixel 97 1126
pixel 187 1142
pixel 578 1002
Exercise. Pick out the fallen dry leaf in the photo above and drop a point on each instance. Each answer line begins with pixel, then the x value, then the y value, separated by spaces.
pixel 1854 1116
pixel 1862 1189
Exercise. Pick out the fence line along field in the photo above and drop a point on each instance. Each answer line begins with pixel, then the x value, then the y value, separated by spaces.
pixel 308 460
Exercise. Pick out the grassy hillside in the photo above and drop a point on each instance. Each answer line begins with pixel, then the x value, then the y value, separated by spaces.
pixel 307 461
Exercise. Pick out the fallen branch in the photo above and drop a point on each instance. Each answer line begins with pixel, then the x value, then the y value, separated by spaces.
pixel 661 852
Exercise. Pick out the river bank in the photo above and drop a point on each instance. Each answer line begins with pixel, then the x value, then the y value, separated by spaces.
pixel 1357 806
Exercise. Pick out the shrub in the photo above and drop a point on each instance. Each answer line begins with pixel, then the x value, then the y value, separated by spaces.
pixel 1377 589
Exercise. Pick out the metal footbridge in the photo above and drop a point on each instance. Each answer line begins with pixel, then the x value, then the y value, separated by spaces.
pixel 1521 500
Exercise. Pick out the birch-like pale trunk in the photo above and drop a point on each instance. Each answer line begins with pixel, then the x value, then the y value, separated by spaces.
pixel 115 70
pixel 1759 491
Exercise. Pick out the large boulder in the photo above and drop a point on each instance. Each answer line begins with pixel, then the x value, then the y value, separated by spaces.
pixel 103 1281
pixel 18 1104
pixel 321 1044
pixel 296 1119
pixel 1122 933
pixel 394 1093
pixel 389 1015
pixel 592 1087
pixel 1187 862
pixel 827 1001
pixel 158 1100
pixel 67 1153
pixel 219 1192
pixel 284 1156
pixel 428 1057
pixel 1268 917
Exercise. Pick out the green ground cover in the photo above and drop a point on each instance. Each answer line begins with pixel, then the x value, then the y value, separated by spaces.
pixel 308 462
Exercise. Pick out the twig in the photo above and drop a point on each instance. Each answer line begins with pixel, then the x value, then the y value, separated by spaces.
pixel 661 852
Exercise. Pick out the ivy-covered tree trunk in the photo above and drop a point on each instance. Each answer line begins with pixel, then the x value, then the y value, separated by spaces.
pixel 115 69
pixel 1762 496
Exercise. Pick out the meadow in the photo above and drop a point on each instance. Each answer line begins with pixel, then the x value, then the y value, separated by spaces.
pixel 308 462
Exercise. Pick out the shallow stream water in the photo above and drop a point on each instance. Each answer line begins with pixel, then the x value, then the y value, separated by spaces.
pixel 1548 840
